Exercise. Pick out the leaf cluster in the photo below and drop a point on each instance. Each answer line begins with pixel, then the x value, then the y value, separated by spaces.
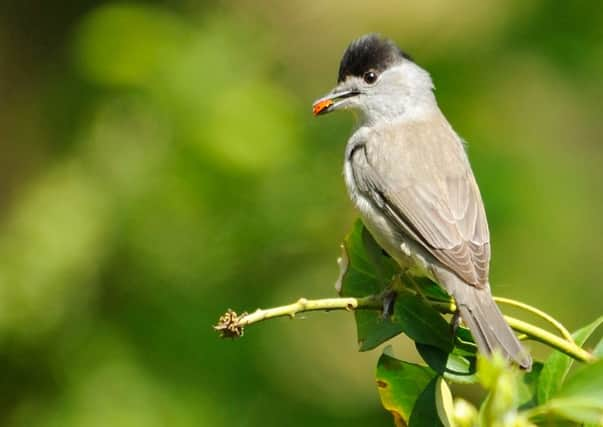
pixel 420 395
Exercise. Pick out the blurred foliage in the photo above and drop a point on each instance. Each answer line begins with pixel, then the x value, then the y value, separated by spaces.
pixel 159 164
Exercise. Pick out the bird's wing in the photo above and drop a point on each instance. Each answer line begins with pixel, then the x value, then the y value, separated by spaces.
pixel 419 175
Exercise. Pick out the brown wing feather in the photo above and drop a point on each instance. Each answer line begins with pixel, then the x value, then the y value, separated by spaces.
pixel 431 192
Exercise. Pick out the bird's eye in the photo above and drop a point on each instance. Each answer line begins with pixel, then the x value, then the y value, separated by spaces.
pixel 370 77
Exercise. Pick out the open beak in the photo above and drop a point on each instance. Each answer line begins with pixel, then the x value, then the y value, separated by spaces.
pixel 331 101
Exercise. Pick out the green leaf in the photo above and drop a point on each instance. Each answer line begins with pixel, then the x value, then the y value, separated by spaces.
pixel 581 399
pixel 385 267
pixel 598 350
pixel 584 410
pixel 373 330
pixel 452 366
pixel 365 270
pixel 421 322
pixel 587 381
pixel 444 402
pixel 464 344
pixel 431 289
pixel 425 412
pixel 400 384
pixel 529 385
pixel 557 366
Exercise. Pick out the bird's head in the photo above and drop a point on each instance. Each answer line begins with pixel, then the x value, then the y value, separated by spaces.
pixel 379 80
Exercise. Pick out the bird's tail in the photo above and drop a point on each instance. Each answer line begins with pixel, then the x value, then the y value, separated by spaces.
pixel 486 323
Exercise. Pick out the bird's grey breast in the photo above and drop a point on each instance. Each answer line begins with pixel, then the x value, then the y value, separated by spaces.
pixel 366 191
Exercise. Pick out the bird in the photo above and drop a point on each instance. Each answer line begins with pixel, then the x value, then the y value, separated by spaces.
pixel 408 174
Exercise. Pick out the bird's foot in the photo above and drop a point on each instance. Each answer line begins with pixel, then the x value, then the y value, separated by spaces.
pixel 389 300
pixel 455 322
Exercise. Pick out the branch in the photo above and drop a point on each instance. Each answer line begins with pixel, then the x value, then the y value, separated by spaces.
pixel 531 331
pixel 232 325
pixel 562 330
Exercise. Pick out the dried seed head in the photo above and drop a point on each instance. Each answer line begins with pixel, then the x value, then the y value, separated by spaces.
pixel 228 325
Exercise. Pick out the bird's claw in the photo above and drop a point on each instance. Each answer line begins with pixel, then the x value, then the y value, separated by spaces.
pixel 455 322
pixel 389 300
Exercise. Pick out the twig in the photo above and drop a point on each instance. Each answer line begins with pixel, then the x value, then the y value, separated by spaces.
pixel 232 325
pixel 533 332
pixel 545 337
pixel 550 319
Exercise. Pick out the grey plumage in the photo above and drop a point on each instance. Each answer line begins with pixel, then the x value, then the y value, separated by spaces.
pixel 422 174
pixel 408 173
pixel 417 174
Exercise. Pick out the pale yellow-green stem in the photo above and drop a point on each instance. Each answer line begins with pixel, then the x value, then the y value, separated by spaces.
pixel 547 317
pixel 232 325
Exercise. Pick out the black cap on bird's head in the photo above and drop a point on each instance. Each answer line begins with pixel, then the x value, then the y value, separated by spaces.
pixel 365 59
pixel 369 52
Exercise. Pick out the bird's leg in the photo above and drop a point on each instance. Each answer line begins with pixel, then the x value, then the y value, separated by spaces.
pixel 389 301
pixel 455 321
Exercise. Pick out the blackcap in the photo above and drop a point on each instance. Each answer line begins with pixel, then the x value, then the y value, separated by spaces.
pixel 407 172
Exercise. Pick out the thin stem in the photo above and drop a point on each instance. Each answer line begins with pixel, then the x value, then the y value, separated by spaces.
pixel 304 305
pixel 532 332
pixel 545 337
pixel 547 317
pixel 232 325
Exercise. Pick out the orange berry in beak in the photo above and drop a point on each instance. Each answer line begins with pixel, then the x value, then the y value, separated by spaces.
pixel 320 106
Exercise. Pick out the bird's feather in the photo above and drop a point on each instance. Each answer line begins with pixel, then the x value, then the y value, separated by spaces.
pixel 430 193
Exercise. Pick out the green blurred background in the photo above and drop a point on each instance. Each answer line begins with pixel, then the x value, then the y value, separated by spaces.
pixel 160 164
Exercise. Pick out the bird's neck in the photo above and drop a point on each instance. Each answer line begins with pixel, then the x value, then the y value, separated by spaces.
pixel 399 109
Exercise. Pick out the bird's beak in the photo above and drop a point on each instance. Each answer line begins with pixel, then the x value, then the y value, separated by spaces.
pixel 332 101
